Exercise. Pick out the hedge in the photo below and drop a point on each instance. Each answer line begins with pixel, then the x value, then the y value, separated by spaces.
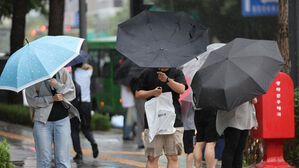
pixel 4 155
pixel 19 114
pixel 100 122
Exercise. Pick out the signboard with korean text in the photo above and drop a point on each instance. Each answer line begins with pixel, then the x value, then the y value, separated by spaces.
pixel 260 7
pixel 275 110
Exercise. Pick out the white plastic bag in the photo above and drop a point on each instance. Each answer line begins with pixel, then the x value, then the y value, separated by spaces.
pixel 160 114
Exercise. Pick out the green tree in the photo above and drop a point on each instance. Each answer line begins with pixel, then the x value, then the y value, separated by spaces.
pixel 17 10
pixel 120 16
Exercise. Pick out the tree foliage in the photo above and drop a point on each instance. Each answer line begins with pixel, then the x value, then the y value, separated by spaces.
pixel 121 15
pixel 6 7
pixel 224 19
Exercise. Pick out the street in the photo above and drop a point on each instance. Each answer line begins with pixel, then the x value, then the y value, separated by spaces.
pixel 114 152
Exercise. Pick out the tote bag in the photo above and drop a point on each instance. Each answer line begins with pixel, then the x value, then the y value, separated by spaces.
pixel 160 114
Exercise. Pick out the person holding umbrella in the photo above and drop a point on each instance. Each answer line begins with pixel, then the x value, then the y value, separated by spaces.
pixel 151 84
pixel 162 41
pixel 235 125
pixel 50 100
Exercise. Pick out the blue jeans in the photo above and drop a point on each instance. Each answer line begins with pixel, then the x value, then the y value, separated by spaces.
pixel 129 114
pixel 44 134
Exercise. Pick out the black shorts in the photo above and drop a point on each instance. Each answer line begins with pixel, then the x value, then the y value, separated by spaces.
pixel 205 122
pixel 188 140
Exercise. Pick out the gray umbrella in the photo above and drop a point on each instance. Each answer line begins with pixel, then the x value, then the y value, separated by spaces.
pixel 239 71
pixel 161 39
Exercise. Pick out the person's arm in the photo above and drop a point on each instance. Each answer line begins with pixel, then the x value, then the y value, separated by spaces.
pixel 65 87
pixel 144 94
pixel 175 86
pixel 35 100
pixel 86 66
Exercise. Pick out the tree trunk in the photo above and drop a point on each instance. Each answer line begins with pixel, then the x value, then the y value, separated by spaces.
pixel 17 40
pixel 18 25
pixel 56 17
pixel 283 40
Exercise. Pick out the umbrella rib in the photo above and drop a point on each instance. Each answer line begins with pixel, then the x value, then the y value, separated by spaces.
pixel 175 30
pixel 213 63
pixel 149 26
pixel 245 73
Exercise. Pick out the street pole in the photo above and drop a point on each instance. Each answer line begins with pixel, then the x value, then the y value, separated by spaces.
pixel 294 40
pixel 83 23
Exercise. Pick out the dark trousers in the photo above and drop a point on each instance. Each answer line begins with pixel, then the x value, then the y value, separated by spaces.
pixel 85 115
pixel 235 141
pixel 139 103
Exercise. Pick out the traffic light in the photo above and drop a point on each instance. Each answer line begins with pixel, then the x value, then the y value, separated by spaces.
pixel 68 28
pixel 43 28
pixel 33 33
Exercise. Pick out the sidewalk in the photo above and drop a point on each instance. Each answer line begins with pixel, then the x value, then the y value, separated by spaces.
pixel 114 152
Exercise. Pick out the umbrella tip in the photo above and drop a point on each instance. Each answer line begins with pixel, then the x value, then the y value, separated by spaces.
pixel 27 41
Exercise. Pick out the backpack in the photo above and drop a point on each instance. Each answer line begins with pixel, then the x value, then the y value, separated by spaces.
pixel 77 101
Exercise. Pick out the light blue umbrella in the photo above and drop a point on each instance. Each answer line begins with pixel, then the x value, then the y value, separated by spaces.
pixel 38 60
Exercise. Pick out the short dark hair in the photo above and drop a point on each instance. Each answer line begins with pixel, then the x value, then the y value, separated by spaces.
pixel 78 65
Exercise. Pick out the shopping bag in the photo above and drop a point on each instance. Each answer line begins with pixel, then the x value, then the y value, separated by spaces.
pixel 160 114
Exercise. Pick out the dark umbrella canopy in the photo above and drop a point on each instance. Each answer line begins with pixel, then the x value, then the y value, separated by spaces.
pixel 121 73
pixel 161 39
pixel 82 57
pixel 239 71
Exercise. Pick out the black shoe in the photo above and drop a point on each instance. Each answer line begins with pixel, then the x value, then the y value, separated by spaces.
pixel 128 139
pixel 78 157
pixel 140 146
pixel 95 150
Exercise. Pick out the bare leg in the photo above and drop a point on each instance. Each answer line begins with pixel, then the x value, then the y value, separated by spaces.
pixel 172 161
pixel 215 163
pixel 152 162
pixel 198 154
pixel 189 160
pixel 210 154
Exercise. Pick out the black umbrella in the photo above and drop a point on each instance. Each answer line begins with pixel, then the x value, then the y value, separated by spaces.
pixel 239 71
pixel 127 72
pixel 161 39
pixel 121 73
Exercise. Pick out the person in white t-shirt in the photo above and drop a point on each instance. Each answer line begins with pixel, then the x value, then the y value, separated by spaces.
pixel 82 75
pixel 128 105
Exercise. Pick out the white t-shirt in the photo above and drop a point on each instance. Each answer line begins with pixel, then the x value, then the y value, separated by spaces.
pixel 127 97
pixel 82 77
pixel 242 117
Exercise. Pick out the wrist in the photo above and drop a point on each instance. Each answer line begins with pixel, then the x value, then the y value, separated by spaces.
pixel 167 80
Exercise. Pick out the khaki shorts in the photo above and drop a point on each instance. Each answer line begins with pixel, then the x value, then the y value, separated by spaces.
pixel 171 144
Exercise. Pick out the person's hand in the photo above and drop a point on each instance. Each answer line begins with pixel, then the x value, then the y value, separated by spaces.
pixel 58 97
pixel 253 101
pixel 162 76
pixel 52 82
pixel 157 91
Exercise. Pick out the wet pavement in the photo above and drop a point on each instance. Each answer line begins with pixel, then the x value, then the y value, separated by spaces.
pixel 114 152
